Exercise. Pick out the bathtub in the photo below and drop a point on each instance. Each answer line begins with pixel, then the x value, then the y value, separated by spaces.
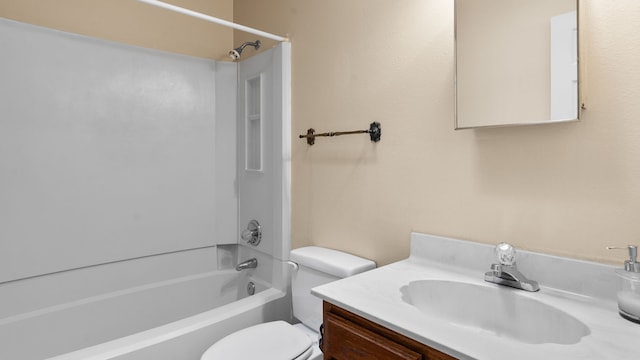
pixel 169 319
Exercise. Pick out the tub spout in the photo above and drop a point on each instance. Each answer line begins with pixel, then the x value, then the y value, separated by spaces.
pixel 249 264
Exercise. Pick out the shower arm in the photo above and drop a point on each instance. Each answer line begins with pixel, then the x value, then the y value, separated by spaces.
pixel 374 132
pixel 256 44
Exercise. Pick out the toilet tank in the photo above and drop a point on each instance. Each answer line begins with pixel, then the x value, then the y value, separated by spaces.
pixel 317 266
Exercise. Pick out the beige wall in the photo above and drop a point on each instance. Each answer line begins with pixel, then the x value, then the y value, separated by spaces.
pixel 133 22
pixel 568 189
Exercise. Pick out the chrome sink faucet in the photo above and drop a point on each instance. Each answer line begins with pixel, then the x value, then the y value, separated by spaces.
pixel 506 273
pixel 249 264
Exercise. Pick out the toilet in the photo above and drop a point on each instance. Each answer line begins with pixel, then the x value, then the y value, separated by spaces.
pixel 279 340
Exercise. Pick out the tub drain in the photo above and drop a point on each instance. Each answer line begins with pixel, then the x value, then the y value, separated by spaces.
pixel 251 288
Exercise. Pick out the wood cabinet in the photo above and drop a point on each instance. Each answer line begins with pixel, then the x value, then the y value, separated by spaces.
pixel 347 336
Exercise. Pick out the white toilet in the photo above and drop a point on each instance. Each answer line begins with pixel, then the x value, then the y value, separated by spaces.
pixel 279 340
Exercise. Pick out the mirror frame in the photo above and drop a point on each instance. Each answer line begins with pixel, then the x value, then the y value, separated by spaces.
pixel 580 104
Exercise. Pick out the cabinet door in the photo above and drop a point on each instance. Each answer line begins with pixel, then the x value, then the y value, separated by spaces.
pixel 345 340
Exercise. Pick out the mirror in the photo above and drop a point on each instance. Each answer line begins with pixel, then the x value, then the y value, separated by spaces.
pixel 516 62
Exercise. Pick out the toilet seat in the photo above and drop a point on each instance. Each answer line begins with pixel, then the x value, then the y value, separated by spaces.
pixel 276 340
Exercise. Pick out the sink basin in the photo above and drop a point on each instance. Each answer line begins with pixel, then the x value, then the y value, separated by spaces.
pixel 499 310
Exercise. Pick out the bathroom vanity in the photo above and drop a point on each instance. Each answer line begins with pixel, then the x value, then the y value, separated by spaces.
pixel 348 336
pixel 436 305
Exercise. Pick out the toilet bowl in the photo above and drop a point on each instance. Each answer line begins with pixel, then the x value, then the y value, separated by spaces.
pixel 279 340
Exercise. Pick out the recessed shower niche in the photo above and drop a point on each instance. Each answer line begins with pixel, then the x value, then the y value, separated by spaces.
pixel 254 125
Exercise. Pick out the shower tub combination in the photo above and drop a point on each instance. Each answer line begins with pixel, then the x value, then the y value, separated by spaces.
pixel 176 318
pixel 86 278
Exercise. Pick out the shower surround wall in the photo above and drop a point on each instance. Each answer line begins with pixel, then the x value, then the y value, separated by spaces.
pixel 117 166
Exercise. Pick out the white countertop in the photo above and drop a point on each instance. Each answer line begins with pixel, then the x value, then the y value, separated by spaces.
pixel 377 295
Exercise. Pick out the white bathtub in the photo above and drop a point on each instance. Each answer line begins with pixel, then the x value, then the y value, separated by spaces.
pixel 168 319
pixel 188 338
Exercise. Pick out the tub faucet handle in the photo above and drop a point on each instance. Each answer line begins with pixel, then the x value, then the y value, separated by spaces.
pixel 253 233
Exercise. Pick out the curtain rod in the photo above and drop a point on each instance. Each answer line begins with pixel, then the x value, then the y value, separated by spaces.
pixel 214 20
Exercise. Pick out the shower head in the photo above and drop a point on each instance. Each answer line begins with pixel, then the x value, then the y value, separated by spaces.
pixel 235 53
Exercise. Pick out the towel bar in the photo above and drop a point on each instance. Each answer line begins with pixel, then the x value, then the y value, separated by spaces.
pixel 374 132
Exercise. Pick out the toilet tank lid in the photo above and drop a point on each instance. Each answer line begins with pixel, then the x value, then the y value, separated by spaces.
pixel 333 262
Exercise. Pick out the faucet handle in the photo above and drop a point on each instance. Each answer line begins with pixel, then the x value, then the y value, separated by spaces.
pixel 506 254
pixel 253 233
